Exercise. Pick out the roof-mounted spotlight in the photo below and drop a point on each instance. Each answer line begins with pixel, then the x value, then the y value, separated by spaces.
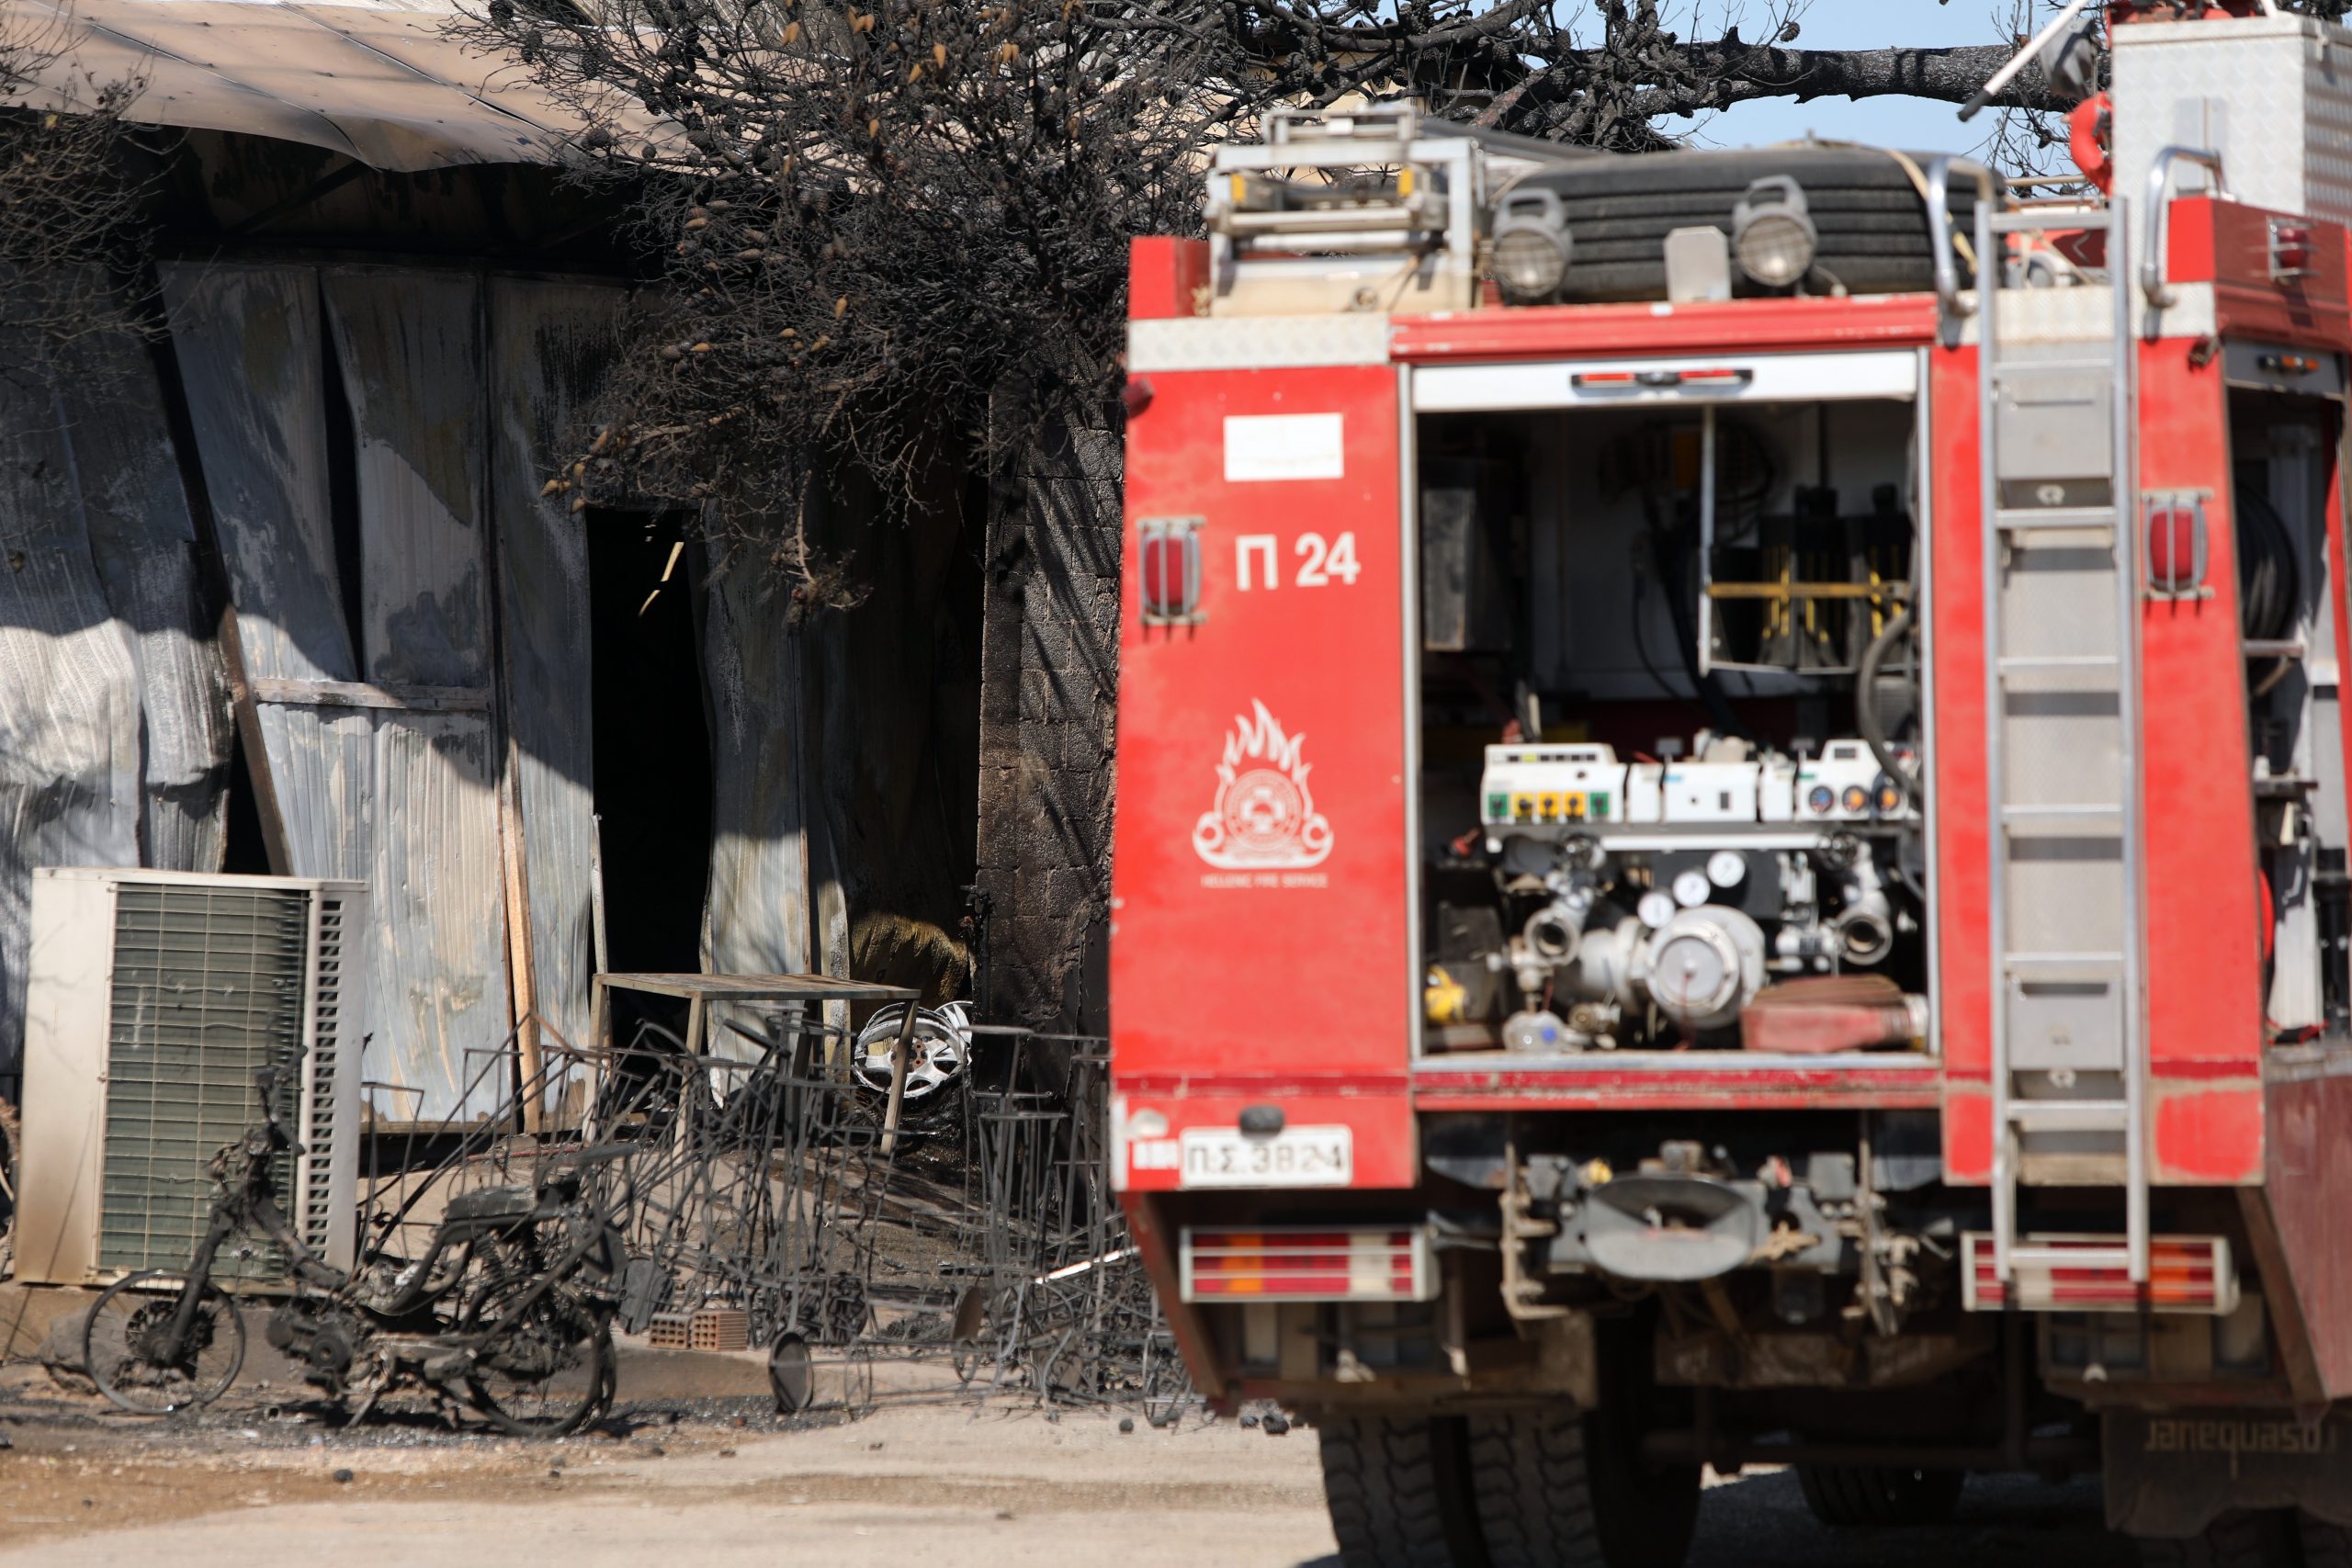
pixel 1528 256
pixel 1772 233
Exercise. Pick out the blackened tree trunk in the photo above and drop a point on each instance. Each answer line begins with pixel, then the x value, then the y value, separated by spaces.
pixel 1048 689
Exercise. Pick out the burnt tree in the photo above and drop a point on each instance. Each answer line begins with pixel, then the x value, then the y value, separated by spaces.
pixel 74 189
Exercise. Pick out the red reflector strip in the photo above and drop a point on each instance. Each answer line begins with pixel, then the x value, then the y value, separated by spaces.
pixel 1300 1264
pixel 1629 381
pixel 2185 1274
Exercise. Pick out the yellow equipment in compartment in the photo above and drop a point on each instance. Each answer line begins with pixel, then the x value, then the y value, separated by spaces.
pixel 1554 805
pixel 1551 787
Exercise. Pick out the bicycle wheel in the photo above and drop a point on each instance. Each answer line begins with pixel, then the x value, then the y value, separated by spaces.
pixel 550 1371
pixel 126 1345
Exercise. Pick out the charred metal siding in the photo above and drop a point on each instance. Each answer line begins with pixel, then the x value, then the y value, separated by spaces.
pixel 756 918
pixel 106 671
pixel 143 543
pixel 410 659
pixel 248 339
pixel 402 798
pixel 69 706
pixel 549 346
pixel 409 346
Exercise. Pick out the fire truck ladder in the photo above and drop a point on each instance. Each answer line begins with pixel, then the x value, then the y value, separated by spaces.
pixel 2062 673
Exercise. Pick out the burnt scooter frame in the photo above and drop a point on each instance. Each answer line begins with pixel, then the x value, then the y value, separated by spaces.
pixel 414 1328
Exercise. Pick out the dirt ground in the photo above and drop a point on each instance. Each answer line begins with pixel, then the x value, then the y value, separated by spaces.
pixel 708 1476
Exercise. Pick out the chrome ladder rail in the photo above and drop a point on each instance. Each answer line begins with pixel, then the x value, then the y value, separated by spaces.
pixel 2062 1011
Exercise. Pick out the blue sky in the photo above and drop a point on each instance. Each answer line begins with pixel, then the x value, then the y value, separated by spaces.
pixel 1910 123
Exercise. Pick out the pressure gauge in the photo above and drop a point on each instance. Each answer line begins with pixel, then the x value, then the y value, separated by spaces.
pixel 1656 909
pixel 1727 868
pixel 1692 888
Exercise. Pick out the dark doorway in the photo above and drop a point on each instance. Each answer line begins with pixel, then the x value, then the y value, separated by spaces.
pixel 652 755
pixel 244 851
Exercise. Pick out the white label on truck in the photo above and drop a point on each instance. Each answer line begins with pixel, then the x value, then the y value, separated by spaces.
pixel 1283 447
pixel 1295 1156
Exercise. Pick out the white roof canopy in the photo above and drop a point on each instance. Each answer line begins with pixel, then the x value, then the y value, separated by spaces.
pixel 381 81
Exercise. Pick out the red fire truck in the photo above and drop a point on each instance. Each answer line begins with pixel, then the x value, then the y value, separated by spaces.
pixel 1733 815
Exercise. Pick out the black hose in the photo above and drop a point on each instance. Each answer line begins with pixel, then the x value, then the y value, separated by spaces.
pixel 1874 729
pixel 1866 714
pixel 2270 585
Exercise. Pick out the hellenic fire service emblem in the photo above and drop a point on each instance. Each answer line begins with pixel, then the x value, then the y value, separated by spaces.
pixel 1265 819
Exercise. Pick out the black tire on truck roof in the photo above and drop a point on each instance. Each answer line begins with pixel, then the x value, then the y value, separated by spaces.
pixel 1866 210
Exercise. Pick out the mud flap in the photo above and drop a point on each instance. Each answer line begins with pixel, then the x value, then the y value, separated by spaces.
pixel 2169 1476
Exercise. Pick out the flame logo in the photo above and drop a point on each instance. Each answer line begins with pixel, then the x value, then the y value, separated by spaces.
pixel 1264 818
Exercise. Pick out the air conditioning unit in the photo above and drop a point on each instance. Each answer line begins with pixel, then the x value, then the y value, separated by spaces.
pixel 153 998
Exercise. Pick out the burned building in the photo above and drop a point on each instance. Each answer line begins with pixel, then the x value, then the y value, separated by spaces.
pixel 284 588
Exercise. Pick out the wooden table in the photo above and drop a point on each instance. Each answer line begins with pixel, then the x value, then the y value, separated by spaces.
pixel 699 991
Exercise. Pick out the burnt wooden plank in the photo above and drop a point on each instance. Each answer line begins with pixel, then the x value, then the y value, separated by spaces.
pixel 759 987
pixel 370 694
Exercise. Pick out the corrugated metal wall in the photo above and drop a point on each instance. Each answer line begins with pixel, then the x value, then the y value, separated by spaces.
pixel 412 641
pixel 105 668
pixel 550 345
pixel 395 783
pixel 757 917
pixel 408 344
pixel 143 541
pixel 250 360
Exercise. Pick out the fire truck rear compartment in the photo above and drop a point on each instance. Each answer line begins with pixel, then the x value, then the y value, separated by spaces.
pixel 1656 811
pixel 1790 1287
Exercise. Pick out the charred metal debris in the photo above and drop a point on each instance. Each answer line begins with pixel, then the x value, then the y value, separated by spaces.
pixel 764 1205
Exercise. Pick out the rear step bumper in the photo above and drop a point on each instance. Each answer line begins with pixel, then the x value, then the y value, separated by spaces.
pixel 2092 1273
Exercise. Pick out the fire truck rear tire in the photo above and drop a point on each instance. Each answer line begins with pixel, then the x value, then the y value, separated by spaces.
pixel 1845 1495
pixel 1395 1489
pixel 1557 1490
pixel 2263 1539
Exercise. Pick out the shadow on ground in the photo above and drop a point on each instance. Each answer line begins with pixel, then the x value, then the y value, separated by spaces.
pixel 1762 1521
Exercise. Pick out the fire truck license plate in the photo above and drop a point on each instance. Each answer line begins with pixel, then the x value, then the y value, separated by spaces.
pixel 1295 1156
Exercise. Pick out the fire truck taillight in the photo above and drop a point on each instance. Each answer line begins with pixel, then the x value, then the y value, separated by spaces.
pixel 1168 552
pixel 1660 380
pixel 2290 251
pixel 2175 541
pixel 1300 1263
pixel 2185 1274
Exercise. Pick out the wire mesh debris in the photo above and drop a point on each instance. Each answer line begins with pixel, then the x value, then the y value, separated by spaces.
pixel 763 1206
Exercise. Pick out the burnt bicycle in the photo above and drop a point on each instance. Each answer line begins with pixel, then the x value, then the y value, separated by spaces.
pixel 508 1310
